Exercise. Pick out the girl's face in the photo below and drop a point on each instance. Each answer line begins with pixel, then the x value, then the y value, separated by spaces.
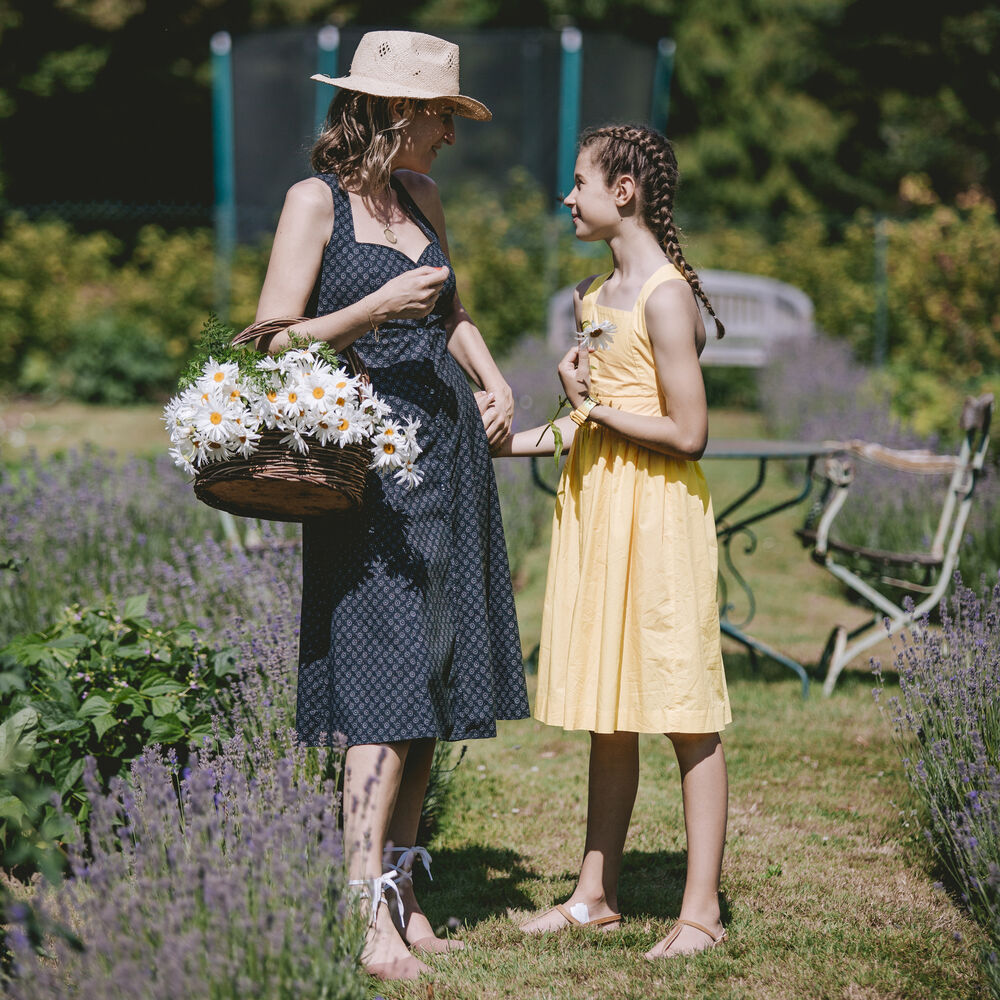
pixel 593 204
pixel 431 127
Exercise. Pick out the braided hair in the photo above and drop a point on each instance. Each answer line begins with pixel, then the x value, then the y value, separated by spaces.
pixel 646 155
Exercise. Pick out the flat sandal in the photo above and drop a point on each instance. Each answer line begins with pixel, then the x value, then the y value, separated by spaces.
pixel 679 925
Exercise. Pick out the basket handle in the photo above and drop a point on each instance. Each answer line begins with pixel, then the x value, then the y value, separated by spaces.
pixel 266 327
pixel 269 327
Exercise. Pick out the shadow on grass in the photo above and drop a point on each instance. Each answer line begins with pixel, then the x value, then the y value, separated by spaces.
pixel 477 883
pixel 652 885
pixel 474 883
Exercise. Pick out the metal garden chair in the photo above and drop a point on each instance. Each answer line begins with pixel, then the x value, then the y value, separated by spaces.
pixel 882 579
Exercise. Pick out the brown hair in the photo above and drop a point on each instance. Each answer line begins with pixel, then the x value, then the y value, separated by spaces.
pixel 646 155
pixel 359 139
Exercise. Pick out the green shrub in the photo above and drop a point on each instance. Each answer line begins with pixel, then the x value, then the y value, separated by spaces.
pixel 105 682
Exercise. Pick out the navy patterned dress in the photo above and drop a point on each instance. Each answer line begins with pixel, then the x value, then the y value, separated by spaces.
pixel 408 626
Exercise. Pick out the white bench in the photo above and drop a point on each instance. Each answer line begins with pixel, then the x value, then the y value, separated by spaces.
pixel 757 312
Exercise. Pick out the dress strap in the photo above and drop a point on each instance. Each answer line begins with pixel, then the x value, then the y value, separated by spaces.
pixel 668 272
pixel 589 301
pixel 413 210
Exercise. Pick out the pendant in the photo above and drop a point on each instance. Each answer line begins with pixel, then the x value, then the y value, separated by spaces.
pixel 389 235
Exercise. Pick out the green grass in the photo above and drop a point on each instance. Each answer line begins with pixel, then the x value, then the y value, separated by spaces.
pixel 827 885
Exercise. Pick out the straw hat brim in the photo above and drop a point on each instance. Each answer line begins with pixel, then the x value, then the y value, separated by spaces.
pixel 467 107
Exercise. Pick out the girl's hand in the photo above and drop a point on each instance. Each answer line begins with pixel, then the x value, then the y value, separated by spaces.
pixel 410 295
pixel 495 423
pixel 503 403
pixel 575 377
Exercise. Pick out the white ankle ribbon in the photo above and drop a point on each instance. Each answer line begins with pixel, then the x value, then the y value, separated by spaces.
pixel 376 888
pixel 407 857
pixel 580 912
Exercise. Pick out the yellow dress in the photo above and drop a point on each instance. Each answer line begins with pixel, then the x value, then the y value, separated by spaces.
pixel 630 627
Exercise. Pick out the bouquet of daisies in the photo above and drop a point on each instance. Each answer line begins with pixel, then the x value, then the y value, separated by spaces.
pixel 230 398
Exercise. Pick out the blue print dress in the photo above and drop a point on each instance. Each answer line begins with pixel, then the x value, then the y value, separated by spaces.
pixel 408 626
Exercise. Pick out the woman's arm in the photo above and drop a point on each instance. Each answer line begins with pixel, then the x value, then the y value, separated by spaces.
pixel 303 232
pixel 671 321
pixel 465 342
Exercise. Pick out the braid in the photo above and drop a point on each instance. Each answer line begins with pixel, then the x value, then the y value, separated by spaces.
pixel 647 156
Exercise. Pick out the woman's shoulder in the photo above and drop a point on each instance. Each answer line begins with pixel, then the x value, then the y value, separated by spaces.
pixel 313 192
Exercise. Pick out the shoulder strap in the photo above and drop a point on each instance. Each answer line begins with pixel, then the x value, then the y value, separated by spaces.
pixel 668 272
pixel 411 206
pixel 587 303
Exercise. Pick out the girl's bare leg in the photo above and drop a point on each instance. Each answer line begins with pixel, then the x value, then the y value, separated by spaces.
pixel 402 832
pixel 705 789
pixel 613 781
pixel 372 774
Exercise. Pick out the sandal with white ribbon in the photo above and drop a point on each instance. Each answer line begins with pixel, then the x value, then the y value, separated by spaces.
pixel 403 869
pixel 375 890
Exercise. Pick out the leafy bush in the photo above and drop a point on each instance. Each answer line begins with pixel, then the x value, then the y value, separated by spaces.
pixel 221 880
pixel 72 302
pixel 107 683
pixel 947 721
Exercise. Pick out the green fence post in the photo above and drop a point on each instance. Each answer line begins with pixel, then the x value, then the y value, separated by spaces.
pixel 327 58
pixel 881 290
pixel 224 167
pixel 659 108
pixel 569 107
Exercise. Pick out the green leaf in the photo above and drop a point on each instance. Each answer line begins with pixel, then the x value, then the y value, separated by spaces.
pixel 11 807
pixel 161 706
pixel 102 723
pixel 135 607
pixel 167 729
pixel 225 662
pixel 18 736
pixel 161 685
pixel 94 705
pixel 72 776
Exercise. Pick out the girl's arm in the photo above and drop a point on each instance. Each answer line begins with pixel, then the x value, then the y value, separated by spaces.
pixel 303 232
pixel 465 342
pixel 672 323
pixel 537 441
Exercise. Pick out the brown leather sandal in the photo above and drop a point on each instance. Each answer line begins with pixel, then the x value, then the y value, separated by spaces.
pixel 581 918
pixel 679 925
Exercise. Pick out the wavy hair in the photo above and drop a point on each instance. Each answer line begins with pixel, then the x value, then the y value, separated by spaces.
pixel 360 140
pixel 646 155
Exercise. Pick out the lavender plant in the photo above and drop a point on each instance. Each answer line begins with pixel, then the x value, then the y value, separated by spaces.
pixel 221 880
pixel 815 391
pixel 947 723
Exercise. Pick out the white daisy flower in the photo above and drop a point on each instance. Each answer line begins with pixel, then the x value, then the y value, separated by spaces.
pixel 412 448
pixel 350 427
pixel 408 475
pixel 386 456
pixel 294 439
pixel 215 418
pixel 597 336
pixel 370 403
pixel 215 375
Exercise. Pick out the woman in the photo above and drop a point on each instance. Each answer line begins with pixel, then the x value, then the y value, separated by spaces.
pixel 408 627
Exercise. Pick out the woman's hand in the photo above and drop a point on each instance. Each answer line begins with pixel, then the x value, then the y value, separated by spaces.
pixel 410 295
pixel 575 377
pixel 496 417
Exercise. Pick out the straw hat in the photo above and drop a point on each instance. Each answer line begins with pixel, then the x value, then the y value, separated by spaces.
pixel 407 64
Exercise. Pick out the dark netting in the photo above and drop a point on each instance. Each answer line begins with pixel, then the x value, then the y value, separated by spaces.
pixel 516 73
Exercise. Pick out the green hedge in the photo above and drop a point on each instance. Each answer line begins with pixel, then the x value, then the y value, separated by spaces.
pixel 79 316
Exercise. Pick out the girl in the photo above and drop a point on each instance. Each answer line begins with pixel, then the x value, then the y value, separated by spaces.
pixel 630 630
pixel 408 628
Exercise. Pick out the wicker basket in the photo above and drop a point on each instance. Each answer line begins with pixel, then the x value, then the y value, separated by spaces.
pixel 277 483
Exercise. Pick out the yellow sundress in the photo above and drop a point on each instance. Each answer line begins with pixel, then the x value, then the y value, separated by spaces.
pixel 630 627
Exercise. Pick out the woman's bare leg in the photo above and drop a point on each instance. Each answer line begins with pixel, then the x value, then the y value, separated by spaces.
pixel 705 789
pixel 402 832
pixel 613 781
pixel 372 774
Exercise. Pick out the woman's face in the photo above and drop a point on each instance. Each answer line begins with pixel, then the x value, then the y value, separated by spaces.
pixel 593 204
pixel 431 127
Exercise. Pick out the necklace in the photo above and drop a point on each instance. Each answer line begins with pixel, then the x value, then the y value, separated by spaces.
pixel 389 235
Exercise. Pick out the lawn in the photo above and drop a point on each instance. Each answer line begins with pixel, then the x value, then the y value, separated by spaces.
pixel 828 885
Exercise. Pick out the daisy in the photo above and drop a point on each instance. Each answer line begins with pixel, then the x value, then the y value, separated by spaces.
pixel 218 376
pixel 350 427
pixel 215 417
pixel 408 475
pixel 597 336
pixel 385 455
